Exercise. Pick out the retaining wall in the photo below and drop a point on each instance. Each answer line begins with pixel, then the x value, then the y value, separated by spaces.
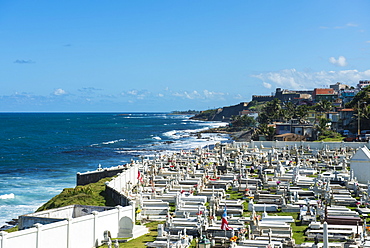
pixel 120 187
pixel 95 176
pixel 83 232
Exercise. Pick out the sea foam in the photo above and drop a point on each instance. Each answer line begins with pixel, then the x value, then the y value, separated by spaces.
pixel 7 196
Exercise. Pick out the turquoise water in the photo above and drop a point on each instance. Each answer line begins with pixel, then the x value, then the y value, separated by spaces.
pixel 40 153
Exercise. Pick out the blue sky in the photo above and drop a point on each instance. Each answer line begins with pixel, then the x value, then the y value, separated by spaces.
pixel 157 56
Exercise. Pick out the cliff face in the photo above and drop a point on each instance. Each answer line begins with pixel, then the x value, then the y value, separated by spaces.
pixel 227 112
pixel 222 114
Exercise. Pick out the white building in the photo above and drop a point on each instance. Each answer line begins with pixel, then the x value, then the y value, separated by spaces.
pixel 360 164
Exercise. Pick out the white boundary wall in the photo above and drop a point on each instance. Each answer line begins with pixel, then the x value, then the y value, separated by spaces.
pixel 83 232
pixel 305 144
pixel 126 180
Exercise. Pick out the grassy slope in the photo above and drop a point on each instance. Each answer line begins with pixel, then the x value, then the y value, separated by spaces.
pixel 91 194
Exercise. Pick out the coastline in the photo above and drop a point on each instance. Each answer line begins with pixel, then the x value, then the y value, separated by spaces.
pixel 177 133
pixel 237 136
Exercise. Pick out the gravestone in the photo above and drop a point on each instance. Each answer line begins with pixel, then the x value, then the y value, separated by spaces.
pixel 125 227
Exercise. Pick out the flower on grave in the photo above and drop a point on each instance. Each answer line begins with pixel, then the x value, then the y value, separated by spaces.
pixel 211 217
pixel 233 239
pixel 195 185
pixel 358 203
pixel 138 211
pixel 246 189
pixel 278 182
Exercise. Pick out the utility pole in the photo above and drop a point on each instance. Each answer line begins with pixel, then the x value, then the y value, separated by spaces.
pixel 358 120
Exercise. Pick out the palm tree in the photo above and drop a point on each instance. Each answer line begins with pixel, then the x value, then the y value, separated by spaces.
pixel 291 108
pixel 302 111
pixel 267 131
pixel 323 106
pixel 270 111
pixel 285 114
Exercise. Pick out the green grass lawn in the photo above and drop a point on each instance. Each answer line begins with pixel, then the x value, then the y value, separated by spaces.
pixel 298 229
pixel 141 241
pixel 13 229
pixel 150 237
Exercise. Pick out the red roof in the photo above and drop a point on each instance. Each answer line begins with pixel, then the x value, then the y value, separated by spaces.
pixel 323 91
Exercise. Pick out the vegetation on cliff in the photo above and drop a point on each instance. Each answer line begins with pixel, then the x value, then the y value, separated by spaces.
pixel 91 194
pixel 268 113
pixel 206 115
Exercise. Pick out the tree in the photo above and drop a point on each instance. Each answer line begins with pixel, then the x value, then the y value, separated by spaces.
pixel 270 111
pixel 266 130
pixel 361 103
pixel 243 121
pixel 361 97
pixel 291 108
pixel 323 106
pixel 322 126
pixel 302 111
pixel 324 132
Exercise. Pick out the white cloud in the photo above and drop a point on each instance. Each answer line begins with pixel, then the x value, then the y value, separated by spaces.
pixel 136 94
pixel 347 25
pixel 239 97
pixel 212 94
pixel 341 61
pixel 351 24
pixel 267 85
pixel 141 96
pixel 293 79
pixel 206 94
pixel 132 92
pixel 287 78
pixel 59 92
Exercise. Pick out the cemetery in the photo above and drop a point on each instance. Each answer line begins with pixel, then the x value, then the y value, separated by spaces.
pixel 277 190
pixel 240 195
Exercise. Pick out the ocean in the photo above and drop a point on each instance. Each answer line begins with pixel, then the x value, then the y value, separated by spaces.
pixel 40 153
